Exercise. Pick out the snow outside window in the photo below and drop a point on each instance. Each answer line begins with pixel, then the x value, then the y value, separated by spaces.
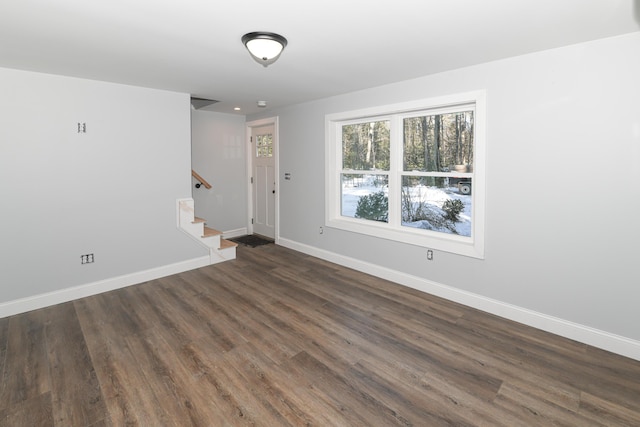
pixel 410 172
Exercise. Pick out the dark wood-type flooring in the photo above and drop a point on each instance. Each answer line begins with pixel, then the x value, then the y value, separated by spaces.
pixel 278 338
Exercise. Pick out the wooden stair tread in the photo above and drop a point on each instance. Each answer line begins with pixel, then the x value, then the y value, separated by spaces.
pixel 224 244
pixel 198 220
pixel 208 232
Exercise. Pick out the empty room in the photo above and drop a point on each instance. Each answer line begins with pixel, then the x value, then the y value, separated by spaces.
pixel 286 213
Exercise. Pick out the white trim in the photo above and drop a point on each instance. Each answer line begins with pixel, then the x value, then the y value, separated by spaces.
pixel 597 338
pixel 230 234
pixel 249 162
pixel 69 294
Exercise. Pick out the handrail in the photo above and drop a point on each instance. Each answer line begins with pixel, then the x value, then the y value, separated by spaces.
pixel 201 179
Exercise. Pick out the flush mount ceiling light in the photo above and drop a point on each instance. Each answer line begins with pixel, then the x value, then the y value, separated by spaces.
pixel 265 48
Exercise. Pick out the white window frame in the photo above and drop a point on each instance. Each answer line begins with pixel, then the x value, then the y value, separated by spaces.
pixel 472 246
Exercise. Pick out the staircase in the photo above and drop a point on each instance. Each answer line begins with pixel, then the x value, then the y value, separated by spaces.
pixel 220 250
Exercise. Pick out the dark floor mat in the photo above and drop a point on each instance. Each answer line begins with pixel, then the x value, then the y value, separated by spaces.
pixel 251 240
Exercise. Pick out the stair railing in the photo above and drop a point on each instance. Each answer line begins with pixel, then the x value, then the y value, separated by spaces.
pixel 201 180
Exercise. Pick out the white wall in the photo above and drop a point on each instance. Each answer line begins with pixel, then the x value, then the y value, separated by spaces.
pixel 218 155
pixel 563 191
pixel 111 192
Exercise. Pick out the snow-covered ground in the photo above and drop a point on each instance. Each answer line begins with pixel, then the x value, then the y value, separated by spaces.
pixel 432 197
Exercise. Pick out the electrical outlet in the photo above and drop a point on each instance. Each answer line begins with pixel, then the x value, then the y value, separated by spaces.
pixel 321 230
pixel 430 255
pixel 86 259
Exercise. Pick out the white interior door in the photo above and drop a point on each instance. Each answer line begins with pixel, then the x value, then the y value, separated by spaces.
pixel 264 180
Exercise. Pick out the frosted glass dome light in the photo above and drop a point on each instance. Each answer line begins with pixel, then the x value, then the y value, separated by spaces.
pixel 265 48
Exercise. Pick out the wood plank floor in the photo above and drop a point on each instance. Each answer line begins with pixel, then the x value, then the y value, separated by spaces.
pixel 278 338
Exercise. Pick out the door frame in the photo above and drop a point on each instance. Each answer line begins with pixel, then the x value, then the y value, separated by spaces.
pixel 249 161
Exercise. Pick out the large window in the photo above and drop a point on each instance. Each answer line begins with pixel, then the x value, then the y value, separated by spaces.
pixel 411 172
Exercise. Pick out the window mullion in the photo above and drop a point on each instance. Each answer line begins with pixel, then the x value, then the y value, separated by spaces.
pixel 395 171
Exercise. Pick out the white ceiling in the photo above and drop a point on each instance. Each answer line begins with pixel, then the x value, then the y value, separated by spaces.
pixel 335 46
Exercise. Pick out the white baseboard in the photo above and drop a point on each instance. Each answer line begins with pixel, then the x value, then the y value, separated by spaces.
pixel 230 234
pixel 64 295
pixel 584 334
